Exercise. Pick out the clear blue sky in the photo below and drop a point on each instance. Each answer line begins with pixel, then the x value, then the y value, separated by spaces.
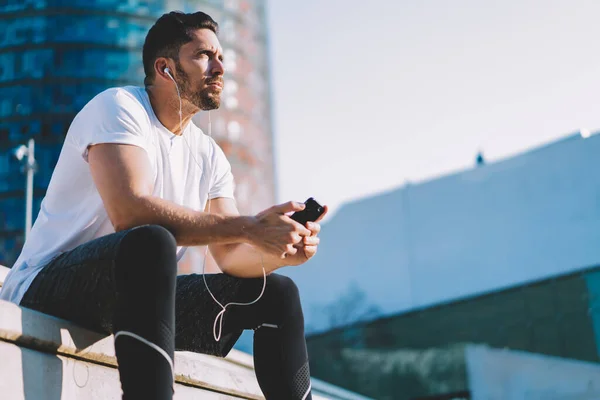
pixel 370 94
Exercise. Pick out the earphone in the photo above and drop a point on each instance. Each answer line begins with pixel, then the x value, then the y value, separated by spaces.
pixel 168 72
pixel 219 318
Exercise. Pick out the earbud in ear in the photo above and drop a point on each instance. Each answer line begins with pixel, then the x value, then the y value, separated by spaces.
pixel 168 72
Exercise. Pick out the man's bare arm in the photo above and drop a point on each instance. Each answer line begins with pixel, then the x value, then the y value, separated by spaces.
pixel 124 179
pixel 240 259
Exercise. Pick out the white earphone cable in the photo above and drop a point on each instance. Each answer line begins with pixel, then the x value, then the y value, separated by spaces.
pixel 219 318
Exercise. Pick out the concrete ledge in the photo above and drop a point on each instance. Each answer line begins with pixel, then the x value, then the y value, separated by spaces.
pixel 29 374
pixel 31 329
pixel 37 331
pixel 36 344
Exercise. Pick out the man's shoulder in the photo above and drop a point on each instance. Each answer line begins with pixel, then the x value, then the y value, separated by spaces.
pixel 122 102
pixel 125 96
pixel 116 111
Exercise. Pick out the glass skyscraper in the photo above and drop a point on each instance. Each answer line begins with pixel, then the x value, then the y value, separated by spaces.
pixel 55 55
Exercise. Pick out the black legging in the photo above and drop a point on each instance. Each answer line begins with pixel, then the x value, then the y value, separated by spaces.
pixel 147 286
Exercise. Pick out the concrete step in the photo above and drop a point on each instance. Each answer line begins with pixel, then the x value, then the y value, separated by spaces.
pixel 29 374
pixel 30 335
pixel 44 357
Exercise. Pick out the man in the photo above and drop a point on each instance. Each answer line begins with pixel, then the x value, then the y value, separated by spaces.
pixel 135 182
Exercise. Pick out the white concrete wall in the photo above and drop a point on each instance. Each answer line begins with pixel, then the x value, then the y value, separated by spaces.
pixel 529 217
pixel 31 375
pixel 513 375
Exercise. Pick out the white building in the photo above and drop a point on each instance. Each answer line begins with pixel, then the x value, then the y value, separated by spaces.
pixel 525 218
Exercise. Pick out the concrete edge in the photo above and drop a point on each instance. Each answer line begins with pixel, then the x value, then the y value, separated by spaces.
pixel 241 358
pixel 38 331
pixel 100 350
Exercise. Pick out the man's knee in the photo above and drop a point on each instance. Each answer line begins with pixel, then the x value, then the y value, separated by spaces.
pixel 286 293
pixel 149 238
pixel 284 285
pixel 149 247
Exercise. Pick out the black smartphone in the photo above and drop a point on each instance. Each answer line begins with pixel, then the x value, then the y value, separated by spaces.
pixel 311 212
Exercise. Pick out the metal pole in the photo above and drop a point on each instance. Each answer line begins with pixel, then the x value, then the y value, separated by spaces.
pixel 30 166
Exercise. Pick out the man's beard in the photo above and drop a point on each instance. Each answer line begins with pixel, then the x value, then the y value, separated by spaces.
pixel 203 99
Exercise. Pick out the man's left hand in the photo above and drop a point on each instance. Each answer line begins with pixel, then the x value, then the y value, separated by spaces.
pixel 309 244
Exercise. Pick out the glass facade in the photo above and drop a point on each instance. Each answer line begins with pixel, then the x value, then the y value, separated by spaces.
pixel 55 55
pixel 556 317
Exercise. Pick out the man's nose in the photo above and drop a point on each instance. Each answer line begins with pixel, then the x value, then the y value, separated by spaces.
pixel 217 67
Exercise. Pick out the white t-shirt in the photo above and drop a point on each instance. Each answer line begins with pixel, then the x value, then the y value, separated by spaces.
pixel 72 213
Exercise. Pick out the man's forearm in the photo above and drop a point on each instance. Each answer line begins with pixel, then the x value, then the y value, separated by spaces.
pixel 244 260
pixel 190 228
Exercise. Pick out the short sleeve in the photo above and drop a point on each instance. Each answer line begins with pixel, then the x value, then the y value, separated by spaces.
pixel 113 116
pixel 222 183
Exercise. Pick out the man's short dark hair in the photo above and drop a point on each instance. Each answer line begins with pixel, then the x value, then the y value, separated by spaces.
pixel 168 34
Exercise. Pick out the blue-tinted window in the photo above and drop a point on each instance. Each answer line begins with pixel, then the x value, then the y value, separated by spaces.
pixel 20 130
pixel 46 158
pixel 58 98
pixel 22 31
pixel 18 5
pixel 28 64
pixel 98 64
pixel 12 212
pixel 115 31
pixel 111 30
pixel 89 4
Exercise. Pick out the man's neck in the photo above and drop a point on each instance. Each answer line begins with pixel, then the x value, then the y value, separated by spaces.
pixel 166 108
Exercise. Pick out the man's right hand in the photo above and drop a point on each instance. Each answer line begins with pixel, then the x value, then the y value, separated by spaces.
pixel 275 232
